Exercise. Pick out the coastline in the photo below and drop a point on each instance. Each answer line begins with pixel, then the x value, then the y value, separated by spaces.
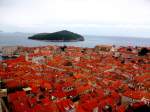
pixel 57 40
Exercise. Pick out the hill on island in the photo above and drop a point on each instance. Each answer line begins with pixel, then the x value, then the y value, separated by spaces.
pixel 60 36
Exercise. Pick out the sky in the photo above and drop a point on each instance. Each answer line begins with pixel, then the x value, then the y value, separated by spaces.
pixel 95 17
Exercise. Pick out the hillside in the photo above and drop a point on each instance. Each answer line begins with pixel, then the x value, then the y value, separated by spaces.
pixel 60 36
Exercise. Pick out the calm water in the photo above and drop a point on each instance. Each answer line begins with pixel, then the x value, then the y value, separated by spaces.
pixel 10 39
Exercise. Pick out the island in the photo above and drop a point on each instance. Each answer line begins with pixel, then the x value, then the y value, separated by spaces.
pixel 60 36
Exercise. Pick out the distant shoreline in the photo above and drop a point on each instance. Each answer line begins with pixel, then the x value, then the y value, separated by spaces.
pixel 57 40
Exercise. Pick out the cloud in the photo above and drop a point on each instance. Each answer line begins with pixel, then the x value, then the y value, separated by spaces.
pixel 131 14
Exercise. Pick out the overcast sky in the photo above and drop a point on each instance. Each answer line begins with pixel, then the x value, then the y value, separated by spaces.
pixel 99 17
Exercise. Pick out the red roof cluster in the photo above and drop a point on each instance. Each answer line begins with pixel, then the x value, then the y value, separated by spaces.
pixel 76 80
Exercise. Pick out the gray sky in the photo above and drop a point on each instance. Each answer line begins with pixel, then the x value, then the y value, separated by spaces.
pixel 99 17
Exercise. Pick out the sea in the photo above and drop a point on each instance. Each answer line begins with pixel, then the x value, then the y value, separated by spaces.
pixel 21 39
